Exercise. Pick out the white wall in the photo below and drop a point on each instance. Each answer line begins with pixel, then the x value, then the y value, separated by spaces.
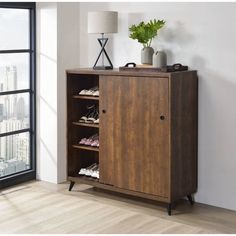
pixel 202 36
pixel 57 50
pixel 68 57
pixel 47 91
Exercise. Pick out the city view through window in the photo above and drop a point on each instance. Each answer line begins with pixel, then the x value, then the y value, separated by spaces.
pixel 14 115
pixel 14 108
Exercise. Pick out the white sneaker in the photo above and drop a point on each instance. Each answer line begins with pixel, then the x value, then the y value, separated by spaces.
pixel 83 92
pixel 95 174
pixel 96 93
pixel 89 92
pixel 96 121
pixel 90 171
pixel 82 171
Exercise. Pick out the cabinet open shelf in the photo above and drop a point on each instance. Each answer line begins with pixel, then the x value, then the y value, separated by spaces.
pixel 85 97
pixel 84 179
pixel 89 148
pixel 86 124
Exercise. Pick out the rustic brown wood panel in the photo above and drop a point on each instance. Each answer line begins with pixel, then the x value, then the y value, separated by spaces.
pixel 133 138
pixel 184 120
pixel 106 131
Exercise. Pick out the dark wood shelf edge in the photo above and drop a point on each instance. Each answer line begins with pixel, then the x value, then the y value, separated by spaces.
pixel 94 149
pixel 97 184
pixel 85 97
pixel 85 124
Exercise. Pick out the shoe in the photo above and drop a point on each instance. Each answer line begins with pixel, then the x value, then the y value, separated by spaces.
pixel 89 92
pixel 90 140
pixel 93 117
pixel 91 110
pixel 89 171
pixel 84 170
pixel 96 93
pixel 95 143
pixel 83 92
pixel 96 121
pixel 95 173
pixel 83 141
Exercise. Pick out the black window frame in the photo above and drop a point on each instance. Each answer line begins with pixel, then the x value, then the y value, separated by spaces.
pixel 30 174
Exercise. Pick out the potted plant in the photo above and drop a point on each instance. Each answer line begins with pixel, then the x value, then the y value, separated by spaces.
pixel 145 33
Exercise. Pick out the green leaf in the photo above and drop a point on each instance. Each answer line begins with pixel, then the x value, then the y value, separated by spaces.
pixel 145 32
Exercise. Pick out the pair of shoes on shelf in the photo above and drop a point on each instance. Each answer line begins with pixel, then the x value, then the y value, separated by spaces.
pixel 90 171
pixel 92 141
pixel 90 92
pixel 92 116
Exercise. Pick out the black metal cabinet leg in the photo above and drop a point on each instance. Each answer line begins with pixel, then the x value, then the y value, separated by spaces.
pixel 71 185
pixel 169 209
pixel 190 199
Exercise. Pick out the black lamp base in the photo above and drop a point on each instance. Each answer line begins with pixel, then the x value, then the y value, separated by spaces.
pixel 103 41
pixel 103 67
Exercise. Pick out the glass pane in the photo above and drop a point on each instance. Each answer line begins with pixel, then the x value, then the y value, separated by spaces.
pixel 14 29
pixel 14 71
pixel 14 154
pixel 14 112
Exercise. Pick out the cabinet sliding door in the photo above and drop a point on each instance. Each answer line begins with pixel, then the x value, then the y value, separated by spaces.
pixel 134 133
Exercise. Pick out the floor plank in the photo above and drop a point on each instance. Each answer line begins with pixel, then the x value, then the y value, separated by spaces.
pixel 40 207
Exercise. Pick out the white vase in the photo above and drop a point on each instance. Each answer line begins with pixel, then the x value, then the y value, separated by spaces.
pixel 146 55
pixel 159 59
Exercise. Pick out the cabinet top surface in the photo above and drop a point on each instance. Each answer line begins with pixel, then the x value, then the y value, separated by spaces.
pixel 127 73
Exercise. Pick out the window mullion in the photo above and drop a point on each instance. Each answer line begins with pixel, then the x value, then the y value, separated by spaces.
pixel 15 51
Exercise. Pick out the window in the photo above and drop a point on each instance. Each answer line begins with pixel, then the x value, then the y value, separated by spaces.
pixel 17 93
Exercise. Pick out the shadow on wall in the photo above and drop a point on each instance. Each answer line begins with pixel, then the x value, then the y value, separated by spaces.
pixel 173 40
pixel 176 34
pixel 217 135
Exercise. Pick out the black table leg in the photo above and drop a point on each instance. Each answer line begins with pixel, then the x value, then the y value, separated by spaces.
pixel 190 199
pixel 71 185
pixel 169 209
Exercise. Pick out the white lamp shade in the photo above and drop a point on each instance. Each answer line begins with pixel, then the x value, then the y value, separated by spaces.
pixel 102 22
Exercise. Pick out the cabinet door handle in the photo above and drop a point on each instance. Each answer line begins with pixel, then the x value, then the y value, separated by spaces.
pixel 162 117
pixel 104 111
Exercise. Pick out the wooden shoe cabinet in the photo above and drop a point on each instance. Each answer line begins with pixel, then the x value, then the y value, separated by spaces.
pixel 147 132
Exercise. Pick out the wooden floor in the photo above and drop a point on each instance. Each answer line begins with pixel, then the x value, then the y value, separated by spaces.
pixel 39 207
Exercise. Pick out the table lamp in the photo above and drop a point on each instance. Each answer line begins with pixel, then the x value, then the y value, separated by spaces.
pixel 102 22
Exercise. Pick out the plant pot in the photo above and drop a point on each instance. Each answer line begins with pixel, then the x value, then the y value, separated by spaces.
pixel 146 55
pixel 159 59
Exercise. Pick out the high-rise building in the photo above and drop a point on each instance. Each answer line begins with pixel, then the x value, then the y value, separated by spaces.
pixel 1 86
pixel 22 148
pixel 10 80
pixel 20 109
pixel 10 83
pixel 1 112
pixel 8 144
